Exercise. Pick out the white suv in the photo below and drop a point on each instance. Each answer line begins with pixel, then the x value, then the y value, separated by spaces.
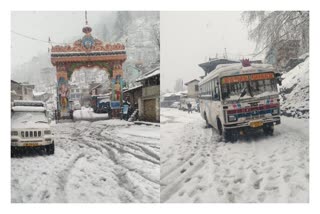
pixel 30 127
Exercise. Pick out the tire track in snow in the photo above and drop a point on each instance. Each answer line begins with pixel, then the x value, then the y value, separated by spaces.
pixel 94 139
pixel 61 195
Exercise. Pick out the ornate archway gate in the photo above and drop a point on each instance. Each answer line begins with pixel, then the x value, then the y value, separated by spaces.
pixel 87 52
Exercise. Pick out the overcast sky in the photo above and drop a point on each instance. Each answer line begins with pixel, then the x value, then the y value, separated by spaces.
pixel 189 38
pixel 60 26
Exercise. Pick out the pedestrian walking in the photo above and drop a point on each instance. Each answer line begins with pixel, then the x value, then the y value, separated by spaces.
pixel 189 108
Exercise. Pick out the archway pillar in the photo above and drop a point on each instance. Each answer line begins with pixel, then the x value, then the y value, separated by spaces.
pixel 63 90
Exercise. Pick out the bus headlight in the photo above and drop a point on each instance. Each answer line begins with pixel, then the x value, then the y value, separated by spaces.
pixel 275 111
pixel 232 118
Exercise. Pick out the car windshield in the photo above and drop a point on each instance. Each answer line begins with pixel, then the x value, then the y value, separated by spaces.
pixel 255 87
pixel 25 117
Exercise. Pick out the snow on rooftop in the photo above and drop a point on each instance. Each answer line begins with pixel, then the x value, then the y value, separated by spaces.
pixel 182 92
pixel 168 94
pixel 149 74
pixel 132 88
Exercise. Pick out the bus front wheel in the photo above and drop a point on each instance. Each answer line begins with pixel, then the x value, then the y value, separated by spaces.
pixel 230 135
pixel 268 130
pixel 219 127
pixel 206 119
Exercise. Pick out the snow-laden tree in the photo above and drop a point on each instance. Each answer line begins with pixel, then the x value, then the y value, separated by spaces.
pixel 268 29
pixel 155 32
pixel 122 22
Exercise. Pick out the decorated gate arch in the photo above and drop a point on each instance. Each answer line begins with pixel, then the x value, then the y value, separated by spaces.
pixel 87 52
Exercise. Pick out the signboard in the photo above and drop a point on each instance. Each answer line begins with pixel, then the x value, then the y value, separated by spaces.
pixel 115 104
pixel 263 76
pixel 234 79
pixel 245 78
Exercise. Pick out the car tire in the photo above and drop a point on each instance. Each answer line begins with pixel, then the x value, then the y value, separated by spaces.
pixel 219 126
pixel 207 123
pixel 50 149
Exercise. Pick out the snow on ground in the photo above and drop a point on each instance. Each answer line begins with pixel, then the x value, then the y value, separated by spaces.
pixel 295 91
pixel 196 166
pixel 103 161
pixel 88 114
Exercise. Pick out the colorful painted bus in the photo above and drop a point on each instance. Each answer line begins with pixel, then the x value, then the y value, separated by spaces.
pixel 239 98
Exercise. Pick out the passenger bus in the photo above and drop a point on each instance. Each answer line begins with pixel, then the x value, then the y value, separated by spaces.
pixel 236 99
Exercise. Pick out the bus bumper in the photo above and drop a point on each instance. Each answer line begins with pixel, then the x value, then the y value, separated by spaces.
pixel 249 126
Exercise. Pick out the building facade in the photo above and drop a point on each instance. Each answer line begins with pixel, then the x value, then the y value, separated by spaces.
pixel 149 104
pixel 21 91
pixel 193 88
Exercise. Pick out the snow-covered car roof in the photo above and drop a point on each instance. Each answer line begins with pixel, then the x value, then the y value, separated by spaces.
pixel 28 109
pixel 104 100
pixel 29 120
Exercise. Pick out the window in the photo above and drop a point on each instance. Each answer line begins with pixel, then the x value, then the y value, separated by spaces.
pixel 196 87
pixel 216 91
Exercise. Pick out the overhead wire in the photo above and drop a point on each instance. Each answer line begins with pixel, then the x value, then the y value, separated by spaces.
pixel 36 39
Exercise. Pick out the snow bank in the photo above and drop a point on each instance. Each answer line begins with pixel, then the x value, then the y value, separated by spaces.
pixel 295 91
pixel 86 114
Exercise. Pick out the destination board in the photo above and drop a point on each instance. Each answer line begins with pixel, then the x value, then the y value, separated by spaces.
pixel 245 78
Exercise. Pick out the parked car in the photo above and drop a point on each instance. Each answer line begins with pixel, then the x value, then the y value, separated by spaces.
pixel 30 127
pixel 175 105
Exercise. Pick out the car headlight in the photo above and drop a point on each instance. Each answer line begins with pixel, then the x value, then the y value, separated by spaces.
pixel 47 132
pixel 14 133
pixel 232 118
pixel 275 111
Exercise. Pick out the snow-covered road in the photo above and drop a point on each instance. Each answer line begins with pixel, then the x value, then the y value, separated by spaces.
pixel 197 166
pixel 103 161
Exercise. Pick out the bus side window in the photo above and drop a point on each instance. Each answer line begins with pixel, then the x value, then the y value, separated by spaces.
pixel 216 95
pixel 211 90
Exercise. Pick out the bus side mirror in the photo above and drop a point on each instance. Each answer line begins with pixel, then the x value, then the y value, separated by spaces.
pixel 279 79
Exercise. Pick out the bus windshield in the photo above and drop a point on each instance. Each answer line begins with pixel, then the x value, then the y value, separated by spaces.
pixel 256 85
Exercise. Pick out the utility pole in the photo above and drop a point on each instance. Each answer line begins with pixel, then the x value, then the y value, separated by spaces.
pixel 225 53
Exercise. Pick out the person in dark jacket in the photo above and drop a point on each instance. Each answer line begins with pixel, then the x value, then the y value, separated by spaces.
pixel 125 110
pixel 189 108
